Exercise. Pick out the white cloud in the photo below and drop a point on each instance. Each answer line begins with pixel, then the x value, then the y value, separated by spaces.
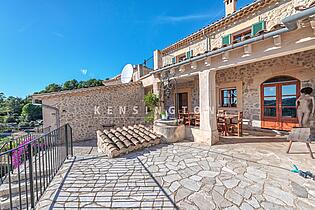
pixel 175 19
pixel 84 71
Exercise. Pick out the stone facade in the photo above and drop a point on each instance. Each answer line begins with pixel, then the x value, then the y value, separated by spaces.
pixel 198 47
pixel 92 109
pixel 272 15
pixel 300 66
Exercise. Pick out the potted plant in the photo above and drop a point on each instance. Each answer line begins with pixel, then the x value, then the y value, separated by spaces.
pixel 164 115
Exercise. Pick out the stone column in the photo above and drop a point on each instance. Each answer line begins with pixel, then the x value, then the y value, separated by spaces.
pixel 208 119
pixel 157 59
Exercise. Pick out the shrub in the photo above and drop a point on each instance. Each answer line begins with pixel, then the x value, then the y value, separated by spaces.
pixel 151 101
pixel 10 119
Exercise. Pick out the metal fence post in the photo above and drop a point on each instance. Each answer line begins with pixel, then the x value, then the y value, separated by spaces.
pixel 30 162
pixel 66 139
pixel 71 142
pixel 11 147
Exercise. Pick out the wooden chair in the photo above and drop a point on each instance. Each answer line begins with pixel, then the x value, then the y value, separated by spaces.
pixel 186 119
pixel 236 125
pixel 180 117
pixel 197 119
pixel 222 123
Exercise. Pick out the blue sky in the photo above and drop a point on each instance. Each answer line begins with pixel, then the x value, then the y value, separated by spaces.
pixel 46 41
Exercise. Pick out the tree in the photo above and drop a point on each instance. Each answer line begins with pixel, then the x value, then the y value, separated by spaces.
pixel 2 98
pixel 94 83
pixel 70 85
pixel 12 106
pixel 31 112
pixel 52 88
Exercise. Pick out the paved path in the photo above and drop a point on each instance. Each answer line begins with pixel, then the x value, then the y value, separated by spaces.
pixel 185 176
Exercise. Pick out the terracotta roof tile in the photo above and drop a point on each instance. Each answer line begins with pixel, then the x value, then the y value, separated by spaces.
pixel 119 141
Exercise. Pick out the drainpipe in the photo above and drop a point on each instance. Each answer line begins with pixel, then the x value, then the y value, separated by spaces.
pixel 50 107
pixel 290 23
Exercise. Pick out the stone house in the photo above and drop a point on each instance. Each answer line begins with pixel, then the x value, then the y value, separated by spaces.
pixel 254 60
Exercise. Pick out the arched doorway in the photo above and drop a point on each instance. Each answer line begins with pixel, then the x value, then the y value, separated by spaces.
pixel 278 102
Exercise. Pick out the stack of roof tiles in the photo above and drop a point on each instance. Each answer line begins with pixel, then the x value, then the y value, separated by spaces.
pixel 119 141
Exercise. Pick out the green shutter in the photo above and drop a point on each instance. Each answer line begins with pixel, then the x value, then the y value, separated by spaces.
pixel 258 27
pixel 226 40
pixel 189 54
pixel 174 60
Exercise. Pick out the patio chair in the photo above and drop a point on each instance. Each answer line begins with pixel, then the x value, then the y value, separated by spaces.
pixel 236 125
pixel 197 119
pixel 186 119
pixel 180 117
pixel 222 123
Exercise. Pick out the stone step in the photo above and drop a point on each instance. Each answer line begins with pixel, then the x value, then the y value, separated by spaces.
pixel 5 202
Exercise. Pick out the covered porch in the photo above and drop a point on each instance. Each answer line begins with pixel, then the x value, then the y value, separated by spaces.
pixel 260 80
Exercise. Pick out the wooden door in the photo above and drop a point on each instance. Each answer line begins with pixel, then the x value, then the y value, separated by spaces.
pixel 182 102
pixel 278 104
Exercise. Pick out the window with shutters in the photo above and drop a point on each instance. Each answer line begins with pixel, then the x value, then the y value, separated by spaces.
pixel 226 40
pixel 173 60
pixel 257 27
pixel 189 54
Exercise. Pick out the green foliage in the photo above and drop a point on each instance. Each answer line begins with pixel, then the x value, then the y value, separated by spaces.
pixel 13 105
pixel 10 119
pixel 94 83
pixel 70 85
pixel 52 88
pixel 4 139
pixel 149 118
pixel 151 101
pixel 31 112
pixel 24 125
pixel 2 97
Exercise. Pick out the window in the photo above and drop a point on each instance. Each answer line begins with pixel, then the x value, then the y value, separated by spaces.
pixel 229 97
pixel 173 60
pixel 239 36
pixel 181 57
pixel 189 54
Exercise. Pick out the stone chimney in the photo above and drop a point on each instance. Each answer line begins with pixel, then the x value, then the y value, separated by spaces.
pixel 230 7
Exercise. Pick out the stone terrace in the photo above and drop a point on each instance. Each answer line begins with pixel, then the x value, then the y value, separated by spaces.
pixel 186 176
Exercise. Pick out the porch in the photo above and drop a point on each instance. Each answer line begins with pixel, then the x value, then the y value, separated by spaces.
pixel 186 175
pixel 263 92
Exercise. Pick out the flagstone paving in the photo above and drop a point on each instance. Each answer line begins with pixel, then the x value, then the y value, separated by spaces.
pixel 185 176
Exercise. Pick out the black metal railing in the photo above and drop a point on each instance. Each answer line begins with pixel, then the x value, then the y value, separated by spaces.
pixel 28 169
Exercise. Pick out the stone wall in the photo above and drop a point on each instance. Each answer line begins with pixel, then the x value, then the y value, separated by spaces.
pixel 273 15
pixel 300 66
pixel 93 109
